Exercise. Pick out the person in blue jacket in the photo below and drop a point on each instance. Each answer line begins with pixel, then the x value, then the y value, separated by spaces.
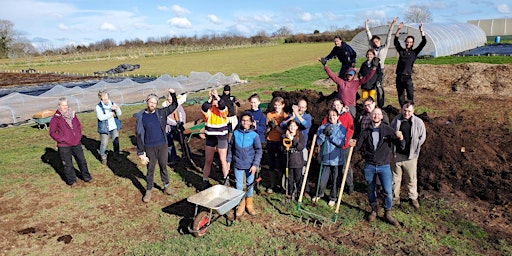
pixel 331 137
pixel 245 154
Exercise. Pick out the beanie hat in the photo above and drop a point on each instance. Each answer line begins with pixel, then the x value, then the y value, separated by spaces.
pixel 227 87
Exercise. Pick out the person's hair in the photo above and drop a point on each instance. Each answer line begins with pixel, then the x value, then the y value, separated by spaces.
pixel 103 92
pixel 246 113
pixel 408 103
pixel 62 99
pixel 278 99
pixel 334 100
pixel 375 37
pixel 412 37
pixel 255 95
pixel 369 99
pixel 372 51
pixel 333 110
pixel 338 37
pixel 297 134
pixel 152 96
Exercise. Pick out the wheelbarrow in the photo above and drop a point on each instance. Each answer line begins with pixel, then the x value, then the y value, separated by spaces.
pixel 218 199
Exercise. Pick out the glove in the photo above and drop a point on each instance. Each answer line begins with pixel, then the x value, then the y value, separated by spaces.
pixel 323 61
pixel 272 123
pixel 328 130
pixel 144 160
pixel 375 62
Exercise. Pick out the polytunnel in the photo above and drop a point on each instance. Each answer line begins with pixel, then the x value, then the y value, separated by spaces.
pixel 442 39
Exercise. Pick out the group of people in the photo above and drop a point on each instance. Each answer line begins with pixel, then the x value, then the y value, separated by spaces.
pixel 239 141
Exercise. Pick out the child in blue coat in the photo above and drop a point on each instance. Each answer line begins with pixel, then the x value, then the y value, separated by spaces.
pixel 245 153
pixel 331 137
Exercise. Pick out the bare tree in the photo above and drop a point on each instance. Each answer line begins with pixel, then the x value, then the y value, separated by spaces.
pixel 418 14
pixel 7 37
pixel 282 32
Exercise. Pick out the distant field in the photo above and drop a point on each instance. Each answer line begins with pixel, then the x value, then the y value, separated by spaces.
pixel 246 62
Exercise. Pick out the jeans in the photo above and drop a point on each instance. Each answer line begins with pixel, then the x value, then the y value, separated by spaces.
pixel 239 179
pixel 385 176
pixel 156 153
pixel 66 155
pixel 114 134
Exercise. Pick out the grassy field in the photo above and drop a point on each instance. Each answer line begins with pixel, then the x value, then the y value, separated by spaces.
pixel 108 217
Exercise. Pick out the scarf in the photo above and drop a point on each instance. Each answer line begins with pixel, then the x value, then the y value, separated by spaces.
pixel 68 117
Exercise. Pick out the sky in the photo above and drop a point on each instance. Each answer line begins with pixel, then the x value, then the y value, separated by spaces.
pixel 51 24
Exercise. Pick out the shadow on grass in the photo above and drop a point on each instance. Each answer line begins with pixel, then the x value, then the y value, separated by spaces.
pixel 52 158
pixel 182 209
pixel 120 166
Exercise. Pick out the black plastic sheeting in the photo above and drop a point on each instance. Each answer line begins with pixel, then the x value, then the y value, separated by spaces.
pixel 489 50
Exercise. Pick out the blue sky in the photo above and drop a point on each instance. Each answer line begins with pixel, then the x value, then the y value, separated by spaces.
pixel 50 24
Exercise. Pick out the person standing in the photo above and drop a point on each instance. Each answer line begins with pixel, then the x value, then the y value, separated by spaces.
pixel 406 58
pixel 260 126
pixel 331 138
pixel 245 154
pixel 295 157
pixel 107 111
pixel 381 52
pixel 274 143
pixel 152 140
pixel 215 115
pixel 66 130
pixel 369 89
pixel 347 89
pixel 230 101
pixel 406 160
pixel 345 54
pixel 348 123
pixel 375 143
pixel 175 122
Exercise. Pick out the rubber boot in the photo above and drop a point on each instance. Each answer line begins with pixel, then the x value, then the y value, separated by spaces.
pixel 241 208
pixel 389 218
pixel 373 215
pixel 250 206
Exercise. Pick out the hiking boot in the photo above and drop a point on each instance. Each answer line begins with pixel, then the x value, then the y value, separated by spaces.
pixel 74 185
pixel 315 199
pixel 396 201
pixel 306 195
pixel 241 208
pixel 250 206
pixel 389 218
pixel 167 189
pixel 331 203
pixel 270 191
pixel 104 159
pixel 206 184
pixel 89 180
pixel 350 190
pixel 147 196
pixel 373 215
pixel 415 203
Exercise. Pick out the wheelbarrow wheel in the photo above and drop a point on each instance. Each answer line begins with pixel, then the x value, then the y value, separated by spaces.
pixel 199 226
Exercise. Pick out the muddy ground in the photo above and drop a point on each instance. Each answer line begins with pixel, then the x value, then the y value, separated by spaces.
pixel 467 157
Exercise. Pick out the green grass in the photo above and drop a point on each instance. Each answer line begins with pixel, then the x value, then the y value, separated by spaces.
pixel 109 218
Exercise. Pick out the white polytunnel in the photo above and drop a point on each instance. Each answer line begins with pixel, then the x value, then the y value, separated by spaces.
pixel 442 39
pixel 18 107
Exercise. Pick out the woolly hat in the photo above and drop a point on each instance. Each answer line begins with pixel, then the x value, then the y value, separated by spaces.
pixel 227 87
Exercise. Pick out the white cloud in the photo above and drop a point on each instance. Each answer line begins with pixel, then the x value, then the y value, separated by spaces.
pixel 63 27
pixel 214 19
pixel 305 16
pixel 108 26
pixel 504 8
pixel 162 8
pixel 239 29
pixel 263 18
pixel 179 22
pixel 180 11
pixel 331 16
pixel 376 14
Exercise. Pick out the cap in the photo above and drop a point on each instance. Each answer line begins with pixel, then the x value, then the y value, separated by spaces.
pixel 351 72
pixel 227 87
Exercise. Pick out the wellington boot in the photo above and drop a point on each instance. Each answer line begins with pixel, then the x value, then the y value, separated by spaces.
pixel 241 208
pixel 250 206
pixel 373 215
pixel 389 218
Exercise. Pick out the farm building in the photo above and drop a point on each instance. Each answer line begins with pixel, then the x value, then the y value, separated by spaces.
pixel 442 39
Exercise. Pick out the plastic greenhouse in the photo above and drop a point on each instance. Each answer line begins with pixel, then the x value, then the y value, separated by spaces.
pixel 442 39
pixel 18 107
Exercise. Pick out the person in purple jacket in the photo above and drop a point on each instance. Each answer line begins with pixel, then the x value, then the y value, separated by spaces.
pixel 66 130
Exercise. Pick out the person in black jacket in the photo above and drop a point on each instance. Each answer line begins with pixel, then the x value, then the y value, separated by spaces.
pixel 369 89
pixel 375 143
pixel 406 59
pixel 345 54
